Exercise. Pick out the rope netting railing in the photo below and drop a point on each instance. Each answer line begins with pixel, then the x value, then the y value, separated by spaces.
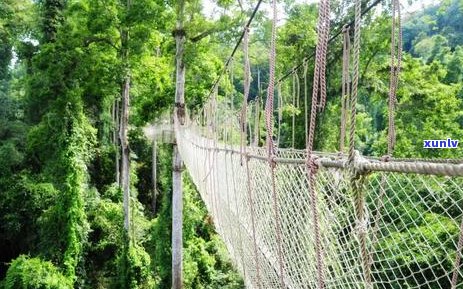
pixel 294 218
pixel 411 219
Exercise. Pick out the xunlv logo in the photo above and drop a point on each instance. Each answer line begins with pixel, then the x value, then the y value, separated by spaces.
pixel 441 144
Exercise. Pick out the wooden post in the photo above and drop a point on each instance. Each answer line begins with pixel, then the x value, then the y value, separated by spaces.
pixel 179 118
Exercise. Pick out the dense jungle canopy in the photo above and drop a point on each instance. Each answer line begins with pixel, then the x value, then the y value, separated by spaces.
pixel 64 65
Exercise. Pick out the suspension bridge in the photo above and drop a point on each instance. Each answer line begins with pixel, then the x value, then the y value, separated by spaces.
pixel 299 218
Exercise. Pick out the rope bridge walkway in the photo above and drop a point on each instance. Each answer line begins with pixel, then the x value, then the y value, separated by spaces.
pixel 304 219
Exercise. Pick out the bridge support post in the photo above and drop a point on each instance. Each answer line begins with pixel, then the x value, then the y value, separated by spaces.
pixel 179 118
pixel 177 220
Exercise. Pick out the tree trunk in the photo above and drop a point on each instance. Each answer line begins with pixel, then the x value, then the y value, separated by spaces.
pixel 179 119
pixel 116 141
pixel 154 175
pixel 124 125
pixel 125 169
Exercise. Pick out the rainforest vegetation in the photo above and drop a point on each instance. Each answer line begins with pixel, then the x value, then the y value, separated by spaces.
pixel 65 66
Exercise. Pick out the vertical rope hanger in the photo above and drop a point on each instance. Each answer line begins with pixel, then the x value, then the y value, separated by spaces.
pixel 296 96
pixel 270 143
pixel 396 59
pixel 357 181
pixel 324 49
pixel 311 167
pixel 293 133
pixel 306 123
pixel 245 93
pixel 345 89
pixel 355 80
pixel 232 80
pixel 257 115
pixel 271 88
pixel 280 113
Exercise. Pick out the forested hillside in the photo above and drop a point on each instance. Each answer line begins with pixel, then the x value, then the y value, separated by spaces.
pixel 71 70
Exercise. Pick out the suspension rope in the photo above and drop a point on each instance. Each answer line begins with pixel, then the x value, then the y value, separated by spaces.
pixel 396 51
pixel 311 166
pixel 253 223
pixel 306 123
pixel 332 38
pixel 230 58
pixel 357 181
pixel 293 133
pixel 232 81
pixel 280 113
pixel 355 81
pixel 257 115
pixel 245 94
pixel 345 89
pixel 270 144
pixel 324 49
pixel 396 59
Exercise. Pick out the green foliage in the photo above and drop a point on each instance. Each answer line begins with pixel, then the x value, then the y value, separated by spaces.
pixel 134 262
pixel 33 273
